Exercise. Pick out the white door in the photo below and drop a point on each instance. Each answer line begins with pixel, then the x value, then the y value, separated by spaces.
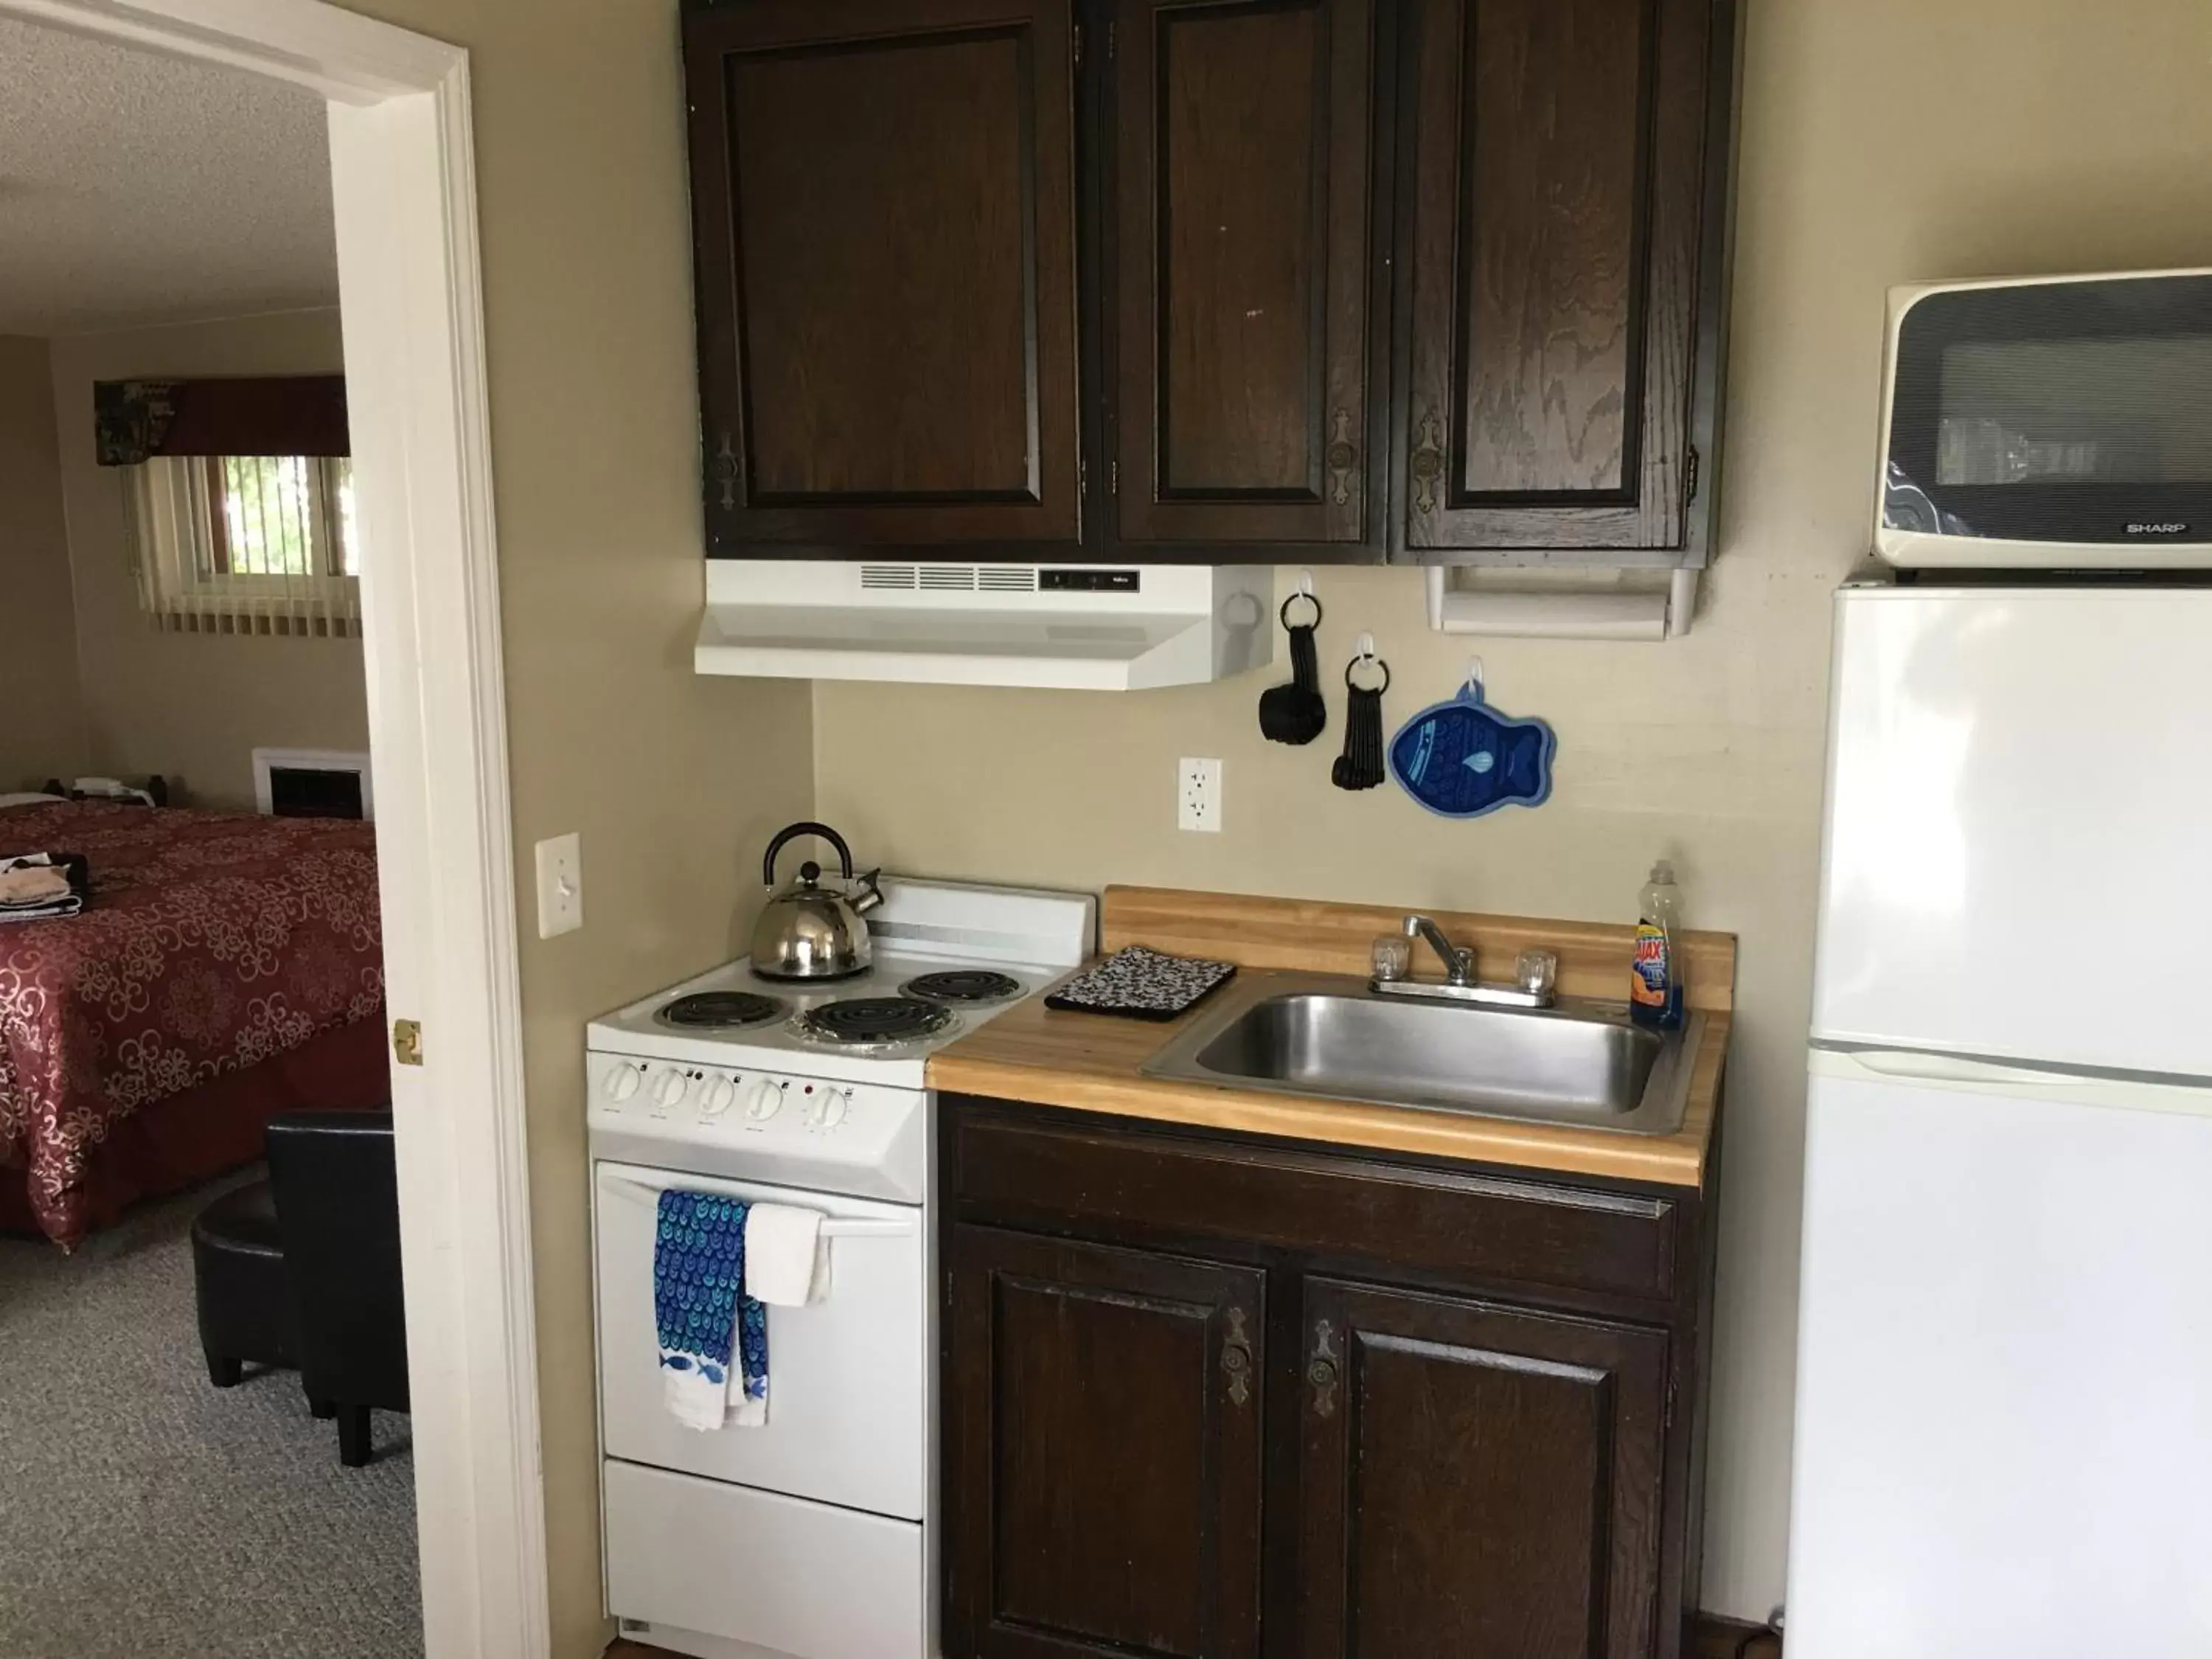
pixel 2004 1407
pixel 848 1377
pixel 2018 852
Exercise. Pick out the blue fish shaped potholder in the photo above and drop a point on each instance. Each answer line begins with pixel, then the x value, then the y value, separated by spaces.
pixel 1463 759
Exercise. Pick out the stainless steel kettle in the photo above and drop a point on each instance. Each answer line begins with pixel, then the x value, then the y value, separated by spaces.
pixel 811 931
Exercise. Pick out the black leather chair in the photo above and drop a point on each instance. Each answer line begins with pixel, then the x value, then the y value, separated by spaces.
pixel 338 1206
pixel 238 1282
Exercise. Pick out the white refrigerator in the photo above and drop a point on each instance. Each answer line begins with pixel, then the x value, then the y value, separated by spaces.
pixel 2004 1410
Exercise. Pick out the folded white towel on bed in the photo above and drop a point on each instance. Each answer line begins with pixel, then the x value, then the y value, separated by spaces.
pixel 39 886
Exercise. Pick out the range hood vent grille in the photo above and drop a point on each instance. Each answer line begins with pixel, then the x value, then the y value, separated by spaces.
pixel 949 578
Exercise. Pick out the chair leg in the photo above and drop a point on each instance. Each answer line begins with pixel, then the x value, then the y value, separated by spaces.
pixel 353 1436
pixel 324 1409
pixel 223 1373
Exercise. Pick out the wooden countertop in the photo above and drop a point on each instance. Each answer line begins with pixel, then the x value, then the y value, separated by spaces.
pixel 1091 1063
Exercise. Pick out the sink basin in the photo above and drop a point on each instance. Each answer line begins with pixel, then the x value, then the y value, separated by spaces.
pixel 1579 1062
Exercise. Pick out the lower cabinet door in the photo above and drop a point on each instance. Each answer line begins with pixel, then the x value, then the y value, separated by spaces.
pixel 1103 1454
pixel 1476 1481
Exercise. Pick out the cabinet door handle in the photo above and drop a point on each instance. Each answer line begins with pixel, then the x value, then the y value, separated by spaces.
pixel 1343 456
pixel 1322 1371
pixel 1237 1360
pixel 725 473
pixel 1427 463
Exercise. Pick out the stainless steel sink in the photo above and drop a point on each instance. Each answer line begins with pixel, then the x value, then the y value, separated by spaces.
pixel 1578 1062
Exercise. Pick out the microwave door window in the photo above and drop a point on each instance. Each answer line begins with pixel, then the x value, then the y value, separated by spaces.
pixel 2111 411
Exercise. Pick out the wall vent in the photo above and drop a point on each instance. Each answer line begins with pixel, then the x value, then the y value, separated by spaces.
pixel 888 575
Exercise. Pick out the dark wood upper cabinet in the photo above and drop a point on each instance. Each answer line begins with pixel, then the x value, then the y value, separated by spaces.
pixel 1243 211
pixel 1103 1424
pixel 884 203
pixel 1559 202
pixel 1158 280
pixel 1477 1481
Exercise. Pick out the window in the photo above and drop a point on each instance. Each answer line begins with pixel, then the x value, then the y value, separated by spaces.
pixel 247 543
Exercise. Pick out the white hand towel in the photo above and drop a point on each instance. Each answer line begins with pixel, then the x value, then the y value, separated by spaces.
pixel 787 1257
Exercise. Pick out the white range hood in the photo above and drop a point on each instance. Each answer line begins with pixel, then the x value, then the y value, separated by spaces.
pixel 1077 627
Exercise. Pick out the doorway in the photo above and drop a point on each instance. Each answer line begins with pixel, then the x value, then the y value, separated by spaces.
pixel 410 284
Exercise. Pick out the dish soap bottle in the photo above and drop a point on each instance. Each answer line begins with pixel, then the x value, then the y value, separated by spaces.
pixel 1654 985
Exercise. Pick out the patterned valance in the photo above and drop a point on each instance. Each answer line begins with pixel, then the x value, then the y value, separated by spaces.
pixel 268 414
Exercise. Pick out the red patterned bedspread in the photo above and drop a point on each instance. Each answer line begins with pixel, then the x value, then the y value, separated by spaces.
pixel 211 941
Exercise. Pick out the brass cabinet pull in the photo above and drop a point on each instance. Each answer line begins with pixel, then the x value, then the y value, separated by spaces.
pixel 1322 1371
pixel 1427 463
pixel 1343 456
pixel 1237 1360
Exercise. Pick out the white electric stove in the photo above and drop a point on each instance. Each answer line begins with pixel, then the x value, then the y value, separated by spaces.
pixel 812 1537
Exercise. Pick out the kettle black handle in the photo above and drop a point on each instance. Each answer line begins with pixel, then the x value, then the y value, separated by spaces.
pixel 785 836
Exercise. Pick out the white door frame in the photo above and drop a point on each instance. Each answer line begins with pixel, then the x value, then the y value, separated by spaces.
pixel 410 282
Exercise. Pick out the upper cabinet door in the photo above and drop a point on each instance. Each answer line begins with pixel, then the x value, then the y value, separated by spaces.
pixel 1551 214
pixel 882 195
pixel 1243 195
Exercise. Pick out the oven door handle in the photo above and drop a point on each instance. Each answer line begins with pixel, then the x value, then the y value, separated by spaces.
pixel 638 1191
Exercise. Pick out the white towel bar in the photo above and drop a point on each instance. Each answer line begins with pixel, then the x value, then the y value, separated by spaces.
pixel 832 1226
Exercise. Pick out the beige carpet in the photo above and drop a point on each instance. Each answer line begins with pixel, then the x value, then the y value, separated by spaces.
pixel 144 1514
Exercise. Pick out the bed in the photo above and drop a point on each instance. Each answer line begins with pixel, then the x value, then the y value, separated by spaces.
pixel 227 967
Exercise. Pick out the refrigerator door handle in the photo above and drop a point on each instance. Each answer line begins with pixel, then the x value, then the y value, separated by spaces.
pixel 2138 1092
pixel 1925 1067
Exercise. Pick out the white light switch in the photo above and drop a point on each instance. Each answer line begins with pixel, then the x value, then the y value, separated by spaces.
pixel 559 885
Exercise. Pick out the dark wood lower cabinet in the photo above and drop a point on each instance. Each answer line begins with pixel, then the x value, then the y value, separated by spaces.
pixel 1218 1398
pixel 1476 1480
pixel 1104 1429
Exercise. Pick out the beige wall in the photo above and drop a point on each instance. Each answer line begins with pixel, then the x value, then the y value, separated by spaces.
pixel 192 707
pixel 1883 140
pixel 674 782
pixel 41 712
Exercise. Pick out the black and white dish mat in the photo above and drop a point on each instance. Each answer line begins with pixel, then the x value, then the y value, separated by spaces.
pixel 1142 984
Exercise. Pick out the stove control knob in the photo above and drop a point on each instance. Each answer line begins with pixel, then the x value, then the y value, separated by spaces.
pixel 718 1096
pixel 669 1088
pixel 835 1102
pixel 623 1082
pixel 765 1101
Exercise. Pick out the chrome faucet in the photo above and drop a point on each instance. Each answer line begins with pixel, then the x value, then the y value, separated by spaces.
pixel 1537 976
pixel 1459 965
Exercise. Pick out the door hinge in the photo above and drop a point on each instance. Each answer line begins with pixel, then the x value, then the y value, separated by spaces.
pixel 1078 45
pixel 1692 483
pixel 407 1042
pixel 1082 476
pixel 1113 37
pixel 1113 478
pixel 1667 1416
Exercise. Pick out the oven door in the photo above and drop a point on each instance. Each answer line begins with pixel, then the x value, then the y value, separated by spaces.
pixel 848 1377
pixel 2050 423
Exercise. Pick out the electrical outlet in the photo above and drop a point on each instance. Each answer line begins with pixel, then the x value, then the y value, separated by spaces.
pixel 559 885
pixel 1198 795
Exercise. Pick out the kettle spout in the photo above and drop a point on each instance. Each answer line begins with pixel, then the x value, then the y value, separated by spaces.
pixel 864 892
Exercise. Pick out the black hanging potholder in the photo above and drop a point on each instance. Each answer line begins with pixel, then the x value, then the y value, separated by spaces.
pixel 1140 983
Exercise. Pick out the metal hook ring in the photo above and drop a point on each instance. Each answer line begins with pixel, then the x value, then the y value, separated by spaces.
pixel 1285 613
pixel 1366 656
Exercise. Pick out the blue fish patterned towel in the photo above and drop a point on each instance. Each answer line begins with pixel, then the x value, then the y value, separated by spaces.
pixel 705 1319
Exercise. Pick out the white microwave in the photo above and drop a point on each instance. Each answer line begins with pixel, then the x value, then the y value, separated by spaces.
pixel 2049 423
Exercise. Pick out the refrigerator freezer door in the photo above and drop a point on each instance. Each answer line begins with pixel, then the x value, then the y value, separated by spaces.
pixel 2019 852
pixel 2004 1405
